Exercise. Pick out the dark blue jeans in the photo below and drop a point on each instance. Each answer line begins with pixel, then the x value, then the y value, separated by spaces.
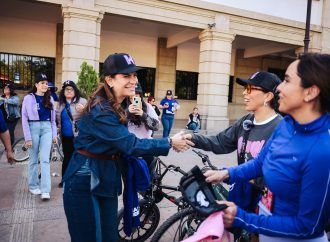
pixel 167 121
pixel 91 218
pixel 78 207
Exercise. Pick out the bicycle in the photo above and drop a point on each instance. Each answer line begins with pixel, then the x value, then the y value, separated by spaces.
pixel 21 153
pixel 185 222
pixel 149 211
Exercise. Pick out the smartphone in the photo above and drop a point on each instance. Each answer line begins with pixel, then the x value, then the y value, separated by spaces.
pixel 137 101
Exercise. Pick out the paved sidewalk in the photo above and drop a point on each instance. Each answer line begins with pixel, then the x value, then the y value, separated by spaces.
pixel 25 218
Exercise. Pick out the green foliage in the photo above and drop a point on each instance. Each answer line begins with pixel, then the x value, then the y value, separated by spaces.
pixel 87 80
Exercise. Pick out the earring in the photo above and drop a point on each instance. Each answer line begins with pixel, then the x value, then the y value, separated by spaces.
pixel 265 103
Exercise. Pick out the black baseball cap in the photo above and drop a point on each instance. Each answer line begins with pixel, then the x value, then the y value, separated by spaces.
pixel 69 83
pixel 41 77
pixel 266 80
pixel 169 93
pixel 119 63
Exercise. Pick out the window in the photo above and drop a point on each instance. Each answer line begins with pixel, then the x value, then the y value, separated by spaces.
pixel 186 85
pixel 21 69
pixel 146 77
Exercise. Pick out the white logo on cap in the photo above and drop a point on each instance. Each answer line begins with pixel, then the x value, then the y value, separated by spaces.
pixel 129 59
pixel 66 82
pixel 201 199
pixel 43 76
pixel 254 75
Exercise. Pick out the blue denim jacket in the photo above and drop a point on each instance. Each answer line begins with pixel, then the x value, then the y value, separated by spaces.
pixel 100 132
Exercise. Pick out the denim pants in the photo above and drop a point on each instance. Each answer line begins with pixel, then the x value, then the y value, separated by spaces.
pixel 41 134
pixel 194 127
pixel 78 207
pixel 91 218
pixel 167 121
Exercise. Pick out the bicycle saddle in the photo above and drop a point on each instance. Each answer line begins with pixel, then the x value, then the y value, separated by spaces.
pixel 198 193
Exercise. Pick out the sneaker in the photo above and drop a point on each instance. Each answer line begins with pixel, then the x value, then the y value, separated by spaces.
pixel 45 196
pixel 35 191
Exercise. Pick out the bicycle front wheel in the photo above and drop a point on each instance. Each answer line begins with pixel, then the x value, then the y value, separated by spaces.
pixel 21 153
pixel 179 226
pixel 149 220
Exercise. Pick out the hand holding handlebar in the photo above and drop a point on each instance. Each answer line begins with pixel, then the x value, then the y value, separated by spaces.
pixel 216 176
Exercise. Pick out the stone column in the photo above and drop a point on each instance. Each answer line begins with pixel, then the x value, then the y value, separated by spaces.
pixel 213 80
pixel 81 39
pixel 166 69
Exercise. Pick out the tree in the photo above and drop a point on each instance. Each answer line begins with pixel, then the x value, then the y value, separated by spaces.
pixel 87 80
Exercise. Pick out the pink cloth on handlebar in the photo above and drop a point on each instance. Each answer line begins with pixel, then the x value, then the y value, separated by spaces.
pixel 211 229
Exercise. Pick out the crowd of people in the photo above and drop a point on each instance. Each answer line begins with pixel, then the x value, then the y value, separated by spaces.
pixel 102 134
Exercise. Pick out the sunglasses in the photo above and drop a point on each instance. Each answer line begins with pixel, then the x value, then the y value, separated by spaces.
pixel 248 88
pixel 69 89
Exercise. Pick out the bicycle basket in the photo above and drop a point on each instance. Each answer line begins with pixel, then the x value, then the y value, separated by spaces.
pixel 198 193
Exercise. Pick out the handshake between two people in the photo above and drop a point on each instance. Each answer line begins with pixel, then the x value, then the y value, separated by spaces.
pixel 181 141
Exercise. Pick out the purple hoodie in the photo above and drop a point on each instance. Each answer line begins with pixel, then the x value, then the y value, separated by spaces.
pixel 30 112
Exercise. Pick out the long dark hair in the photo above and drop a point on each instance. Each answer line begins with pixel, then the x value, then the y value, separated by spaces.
pixel 11 90
pixel 136 119
pixel 105 93
pixel 75 99
pixel 46 100
pixel 314 69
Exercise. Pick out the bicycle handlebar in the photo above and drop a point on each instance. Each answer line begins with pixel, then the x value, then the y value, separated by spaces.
pixel 205 158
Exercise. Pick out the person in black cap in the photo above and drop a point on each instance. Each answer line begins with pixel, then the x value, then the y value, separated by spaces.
pixel 294 162
pixel 249 134
pixel 10 103
pixel 39 128
pixel 92 181
pixel 71 106
pixel 169 106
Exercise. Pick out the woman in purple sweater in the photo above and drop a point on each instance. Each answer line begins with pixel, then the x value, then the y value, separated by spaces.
pixel 39 128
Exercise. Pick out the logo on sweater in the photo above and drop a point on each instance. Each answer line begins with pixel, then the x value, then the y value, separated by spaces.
pixel 136 211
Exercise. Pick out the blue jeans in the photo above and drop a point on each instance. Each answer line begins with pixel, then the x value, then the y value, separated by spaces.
pixel 193 126
pixel 167 121
pixel 91 218
pixel 78 207
pixel 41 135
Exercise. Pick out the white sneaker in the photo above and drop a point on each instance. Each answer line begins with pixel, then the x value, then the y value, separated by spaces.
pixel 45 196
pixel 35 191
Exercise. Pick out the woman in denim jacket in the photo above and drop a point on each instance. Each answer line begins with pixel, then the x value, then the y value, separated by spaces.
pixel 9 103
pixel 92 181
pixel 39 128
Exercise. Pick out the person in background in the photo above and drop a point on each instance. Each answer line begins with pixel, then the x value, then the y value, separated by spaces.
pixel 92 181
pixel 10 103
pixel 294 162
pixel 169 106
pixel 53 90
pixel 247 135
pixel 71 106
pixel 39 128
pixel 142 121
pixel 194 121
pixel 5 138
pixel 151 101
